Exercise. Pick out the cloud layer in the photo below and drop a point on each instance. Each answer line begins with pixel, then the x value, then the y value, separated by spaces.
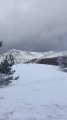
pixel 34 25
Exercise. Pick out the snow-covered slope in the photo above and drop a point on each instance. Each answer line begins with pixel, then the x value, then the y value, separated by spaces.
pixel 39 94
pixel 26 56
pixel 21 56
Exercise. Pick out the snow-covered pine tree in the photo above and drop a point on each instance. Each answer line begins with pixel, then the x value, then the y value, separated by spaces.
pixel 63 63
pixel 6 69
pixel 6 72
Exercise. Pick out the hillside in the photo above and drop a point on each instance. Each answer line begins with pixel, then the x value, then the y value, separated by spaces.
pixel 49 57
pixel 39 94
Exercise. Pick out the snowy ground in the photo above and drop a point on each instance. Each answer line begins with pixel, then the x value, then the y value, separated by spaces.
pixel 39 94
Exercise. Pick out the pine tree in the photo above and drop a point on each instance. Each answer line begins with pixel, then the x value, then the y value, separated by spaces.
pixel 1 43
pixel 63 63
pixel 5 66
pixel 6 71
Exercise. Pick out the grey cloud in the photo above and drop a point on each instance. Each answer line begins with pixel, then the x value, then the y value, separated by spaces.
pixel 37 25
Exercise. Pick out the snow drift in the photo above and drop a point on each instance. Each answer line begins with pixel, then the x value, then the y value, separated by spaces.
pixel 39 94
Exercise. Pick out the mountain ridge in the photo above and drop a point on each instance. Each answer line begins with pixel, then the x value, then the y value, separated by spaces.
pixel 32 57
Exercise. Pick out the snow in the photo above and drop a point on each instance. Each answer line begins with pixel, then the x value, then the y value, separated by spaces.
pixel 26 56
pixel 22 56
pixel 39 94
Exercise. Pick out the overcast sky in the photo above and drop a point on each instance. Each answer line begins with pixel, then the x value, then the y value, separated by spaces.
pixel 33 25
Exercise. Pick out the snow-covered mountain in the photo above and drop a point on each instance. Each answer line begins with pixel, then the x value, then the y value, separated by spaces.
pixel 21 56
pixel 27 57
